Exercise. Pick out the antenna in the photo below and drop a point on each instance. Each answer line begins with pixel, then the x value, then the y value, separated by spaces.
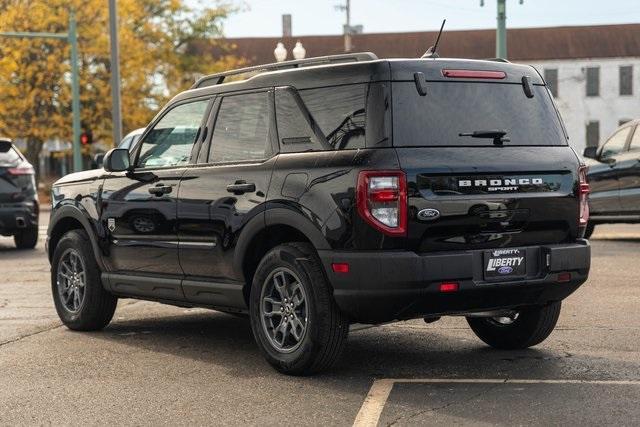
pixel 432 51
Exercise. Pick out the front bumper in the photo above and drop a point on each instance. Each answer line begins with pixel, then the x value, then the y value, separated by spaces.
pixel 384 286
pixel 17 216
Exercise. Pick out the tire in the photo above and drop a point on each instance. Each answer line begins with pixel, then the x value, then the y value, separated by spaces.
pixel 531 326
pixel 95 306
pixel 26 238
pixel 321 341
pixel 589 231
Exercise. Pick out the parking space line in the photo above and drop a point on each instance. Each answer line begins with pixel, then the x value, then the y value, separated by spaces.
pixel 373 404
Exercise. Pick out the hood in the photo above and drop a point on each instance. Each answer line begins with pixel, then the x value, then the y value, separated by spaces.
pixel 89 175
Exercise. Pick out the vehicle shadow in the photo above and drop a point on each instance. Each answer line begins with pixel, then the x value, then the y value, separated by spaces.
pixel 399 350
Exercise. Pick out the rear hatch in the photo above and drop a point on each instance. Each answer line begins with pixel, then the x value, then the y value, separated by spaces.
pixel 16 176
pixel 490 191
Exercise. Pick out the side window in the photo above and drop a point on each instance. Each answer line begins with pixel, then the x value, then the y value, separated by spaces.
pixel 616 143
pixel 242 129
pixel 324 119
pixel 635 141
pixel 295 124
pixel 339 112
pixel 170 141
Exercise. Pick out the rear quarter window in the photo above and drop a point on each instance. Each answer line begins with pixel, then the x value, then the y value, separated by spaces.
pixel 332 118
pixel 451 108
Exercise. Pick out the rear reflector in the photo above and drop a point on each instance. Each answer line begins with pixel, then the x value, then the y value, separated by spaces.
pixel 474 74
pixel 449 287
pixel 563 277
pixel 340 267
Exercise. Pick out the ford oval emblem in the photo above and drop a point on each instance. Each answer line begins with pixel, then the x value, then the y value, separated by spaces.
pixel 428 214
pixel 505 270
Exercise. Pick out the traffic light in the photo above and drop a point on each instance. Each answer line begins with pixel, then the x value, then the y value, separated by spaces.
pixel 86 138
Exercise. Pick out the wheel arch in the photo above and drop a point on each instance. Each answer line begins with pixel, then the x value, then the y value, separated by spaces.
pixel 277 226
pixel 67 218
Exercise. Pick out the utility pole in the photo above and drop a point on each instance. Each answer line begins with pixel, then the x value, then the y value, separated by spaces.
pixel 347 27
pixel 501 29
pixel 116 108
pixel 72 38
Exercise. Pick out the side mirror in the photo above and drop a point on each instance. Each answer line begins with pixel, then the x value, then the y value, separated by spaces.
pixel 590 152
pixel 116 160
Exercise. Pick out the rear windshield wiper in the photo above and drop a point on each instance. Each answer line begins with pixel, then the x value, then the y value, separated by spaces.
pixel 497 135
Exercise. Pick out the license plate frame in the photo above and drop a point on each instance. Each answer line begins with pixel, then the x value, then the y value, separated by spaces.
pixel 504 264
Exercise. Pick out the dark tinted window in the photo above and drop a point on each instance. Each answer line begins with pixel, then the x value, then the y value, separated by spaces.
pixel 593 81
pixel 339 113
pixel 170 141
pixel 551 78
pixel 626 80
pixel 295 124
pixel 451 108
pixel 242 128
pixel 593 133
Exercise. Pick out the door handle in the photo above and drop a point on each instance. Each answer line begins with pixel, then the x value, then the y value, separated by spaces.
pixel 160 190
pixel 241 187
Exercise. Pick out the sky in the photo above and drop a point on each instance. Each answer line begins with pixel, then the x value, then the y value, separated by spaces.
pixel 263 18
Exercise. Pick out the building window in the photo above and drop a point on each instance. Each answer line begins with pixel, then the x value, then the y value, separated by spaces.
pixel 593 81
pixel 626 80
pixel 593 133
pixel 623 121
pixel 551 77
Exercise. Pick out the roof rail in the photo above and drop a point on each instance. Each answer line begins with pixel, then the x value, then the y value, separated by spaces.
pixel 498 60
pixel 218 78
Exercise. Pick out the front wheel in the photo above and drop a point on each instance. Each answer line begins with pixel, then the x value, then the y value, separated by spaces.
pixel 294 318
pixel 526 328
pixel 81 301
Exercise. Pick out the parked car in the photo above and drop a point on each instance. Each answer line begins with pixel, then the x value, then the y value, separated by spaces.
pixel 614 176
pixel 19 207
pixel 323 192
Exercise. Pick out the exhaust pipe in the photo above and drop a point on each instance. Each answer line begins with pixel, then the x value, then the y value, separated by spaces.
pixel 20 222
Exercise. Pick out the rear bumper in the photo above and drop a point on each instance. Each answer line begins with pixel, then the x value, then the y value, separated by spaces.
pixel 16 216
pixel 383 286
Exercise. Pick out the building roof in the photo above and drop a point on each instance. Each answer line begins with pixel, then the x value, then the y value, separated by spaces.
pixel 533 44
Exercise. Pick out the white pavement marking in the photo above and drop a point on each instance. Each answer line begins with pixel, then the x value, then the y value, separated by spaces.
pixel 371 409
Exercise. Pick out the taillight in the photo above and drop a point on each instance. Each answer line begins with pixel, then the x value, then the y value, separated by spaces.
pixel 382 200
pixel 26 170
pixel 583 191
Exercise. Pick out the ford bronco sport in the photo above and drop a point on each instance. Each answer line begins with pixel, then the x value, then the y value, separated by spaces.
pixel 317 193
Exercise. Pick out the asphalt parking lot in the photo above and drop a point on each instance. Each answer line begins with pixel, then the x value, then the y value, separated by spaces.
pixel 157 364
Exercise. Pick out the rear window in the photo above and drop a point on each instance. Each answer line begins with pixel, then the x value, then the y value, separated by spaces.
pixel 451 108
pixel 9 157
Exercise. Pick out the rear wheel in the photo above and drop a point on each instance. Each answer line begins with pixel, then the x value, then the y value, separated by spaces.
pixel 26 238
pixel 295 321
pixel 526 328
pixel 81 301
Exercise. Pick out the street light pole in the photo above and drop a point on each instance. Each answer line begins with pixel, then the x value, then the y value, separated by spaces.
pixel 72 38
pixel 501 29
pixel 75 92
pixel 116 108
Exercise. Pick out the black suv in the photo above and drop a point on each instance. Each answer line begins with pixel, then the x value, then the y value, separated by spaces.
pixel 18 197
pixel 318 193
pixel 614 176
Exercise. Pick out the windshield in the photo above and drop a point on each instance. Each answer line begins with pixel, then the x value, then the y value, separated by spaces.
pixel 452 108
